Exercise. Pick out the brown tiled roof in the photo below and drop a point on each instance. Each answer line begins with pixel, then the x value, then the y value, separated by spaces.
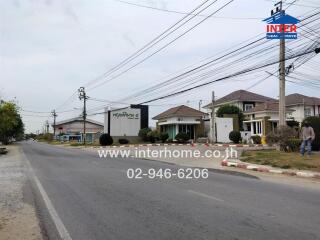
pixel 296 98
pixel 270 106
pixel 241 95
pixel 180 111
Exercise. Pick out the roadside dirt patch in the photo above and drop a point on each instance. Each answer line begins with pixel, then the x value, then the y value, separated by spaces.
pixel 18 218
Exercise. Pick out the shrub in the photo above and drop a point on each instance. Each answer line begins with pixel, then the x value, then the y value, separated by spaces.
pixel 235 136
pixel 293 123
pixel 163 137
pixel 123 141
pixel 182 137
pixel 143 133
pixel 105 140
pixel 281 136
pixel 153 136
pixel 293 144
pixel 48 137
pixel 75 144
pixel 314 122
pixel 256 139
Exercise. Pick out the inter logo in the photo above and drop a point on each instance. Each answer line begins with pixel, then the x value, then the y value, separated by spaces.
pixel 281 26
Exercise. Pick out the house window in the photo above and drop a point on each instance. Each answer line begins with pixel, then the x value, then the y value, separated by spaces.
pixel 188 129
pixel 257 128
pixel 307 112
pixel 248 107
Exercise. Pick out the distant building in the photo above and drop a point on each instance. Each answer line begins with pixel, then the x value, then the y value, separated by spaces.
pixel 72 130
pixel 303 106
pixel 181 119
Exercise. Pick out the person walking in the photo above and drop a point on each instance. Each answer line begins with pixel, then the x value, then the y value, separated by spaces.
pixel 307 134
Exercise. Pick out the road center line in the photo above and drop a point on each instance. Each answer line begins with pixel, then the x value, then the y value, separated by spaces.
pixel 206 196
pixel 63 232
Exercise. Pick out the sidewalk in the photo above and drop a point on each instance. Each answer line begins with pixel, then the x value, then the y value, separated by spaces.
pixel 268 169
pixel 202 161
pixel 220 163
pixel 18 218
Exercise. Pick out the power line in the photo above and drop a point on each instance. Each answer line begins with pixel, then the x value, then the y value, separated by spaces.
pixel 163 47
pixel 185 13
pixel 156 87
pixel 224 78
pixel 155 40
pixel 227 77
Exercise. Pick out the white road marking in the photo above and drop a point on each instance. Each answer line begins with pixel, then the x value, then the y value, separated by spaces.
pixel 63 232
pixel 206 196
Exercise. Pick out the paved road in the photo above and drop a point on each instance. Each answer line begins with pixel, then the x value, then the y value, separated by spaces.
pixel 95 200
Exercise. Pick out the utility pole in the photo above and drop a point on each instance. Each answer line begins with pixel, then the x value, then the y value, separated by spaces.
pixel 47 126
pixel 200 103
pixel 213 130
pixel 282 70
pixel 54 114
pixel 83 96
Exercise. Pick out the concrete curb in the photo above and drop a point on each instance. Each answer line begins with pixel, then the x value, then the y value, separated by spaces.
pixel 259 168
pixel 191 144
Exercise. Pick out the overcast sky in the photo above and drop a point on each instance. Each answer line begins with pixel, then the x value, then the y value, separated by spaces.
pixel 49 48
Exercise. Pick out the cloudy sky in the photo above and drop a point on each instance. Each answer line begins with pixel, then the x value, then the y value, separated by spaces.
pixel 49 48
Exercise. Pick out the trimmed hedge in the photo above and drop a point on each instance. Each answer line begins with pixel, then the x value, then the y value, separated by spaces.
pixel 153 136
pixel 182 137
pixel 163 137
pixel 123 141
pixel 143 133
pixel 235 136
pixel 105 140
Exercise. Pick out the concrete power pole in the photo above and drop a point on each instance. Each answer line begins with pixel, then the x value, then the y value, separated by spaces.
pixel 200 103
pixel 213 130
pixel 54 114
pixel 47 126
pixel 282 73
pixel 83 96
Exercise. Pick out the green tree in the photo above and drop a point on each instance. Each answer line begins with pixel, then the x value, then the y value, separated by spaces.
pixel 11 125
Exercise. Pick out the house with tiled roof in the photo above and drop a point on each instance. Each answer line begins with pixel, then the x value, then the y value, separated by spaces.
pixel 181 119
pixel 244 100
pixel 264 117
pixel 241 98
pixel 303 106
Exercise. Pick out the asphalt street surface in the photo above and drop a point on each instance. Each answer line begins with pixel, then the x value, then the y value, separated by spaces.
pixel 94 199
